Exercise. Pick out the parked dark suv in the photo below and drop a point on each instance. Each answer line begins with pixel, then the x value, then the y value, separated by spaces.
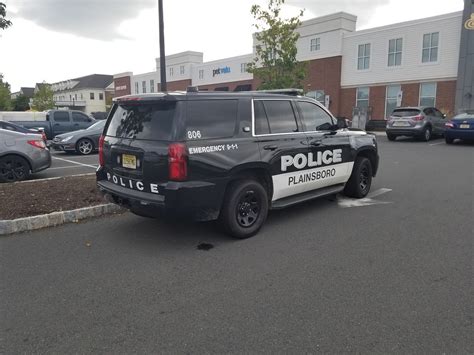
pixel 231 156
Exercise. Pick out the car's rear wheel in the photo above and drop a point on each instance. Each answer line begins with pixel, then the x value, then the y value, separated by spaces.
pixel 449 140
pixel 245 208
pixel 360 181
pixel 13 168
pixel 84 146
pixel 426 136
pixel 391 137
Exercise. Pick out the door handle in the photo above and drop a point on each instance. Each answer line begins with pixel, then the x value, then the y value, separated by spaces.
pixel 270 147
pixel 315 143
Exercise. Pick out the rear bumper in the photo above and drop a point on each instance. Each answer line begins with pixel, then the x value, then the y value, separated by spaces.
pixel 405 131
pixel 459 134
pixel 197 200
pixel 40 160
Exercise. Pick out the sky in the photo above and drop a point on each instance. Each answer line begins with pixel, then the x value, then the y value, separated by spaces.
pixel 55 40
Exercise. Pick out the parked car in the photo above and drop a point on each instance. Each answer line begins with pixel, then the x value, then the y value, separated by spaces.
pixel 21 154
pixel 52 122
pixel 231 156
pixel 460 127
pixel 17 128
pixel 421 122
pixel 99 115
pixel 84 141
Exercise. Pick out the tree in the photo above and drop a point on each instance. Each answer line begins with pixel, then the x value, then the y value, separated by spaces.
pixel 21 103
pixel 5 95
pixel 275 63
pixel 4 23
pixel 43 99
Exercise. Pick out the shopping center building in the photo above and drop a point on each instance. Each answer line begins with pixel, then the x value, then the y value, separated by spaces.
pixel 429 61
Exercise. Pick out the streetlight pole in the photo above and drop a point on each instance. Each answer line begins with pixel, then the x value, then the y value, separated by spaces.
pixel 162 46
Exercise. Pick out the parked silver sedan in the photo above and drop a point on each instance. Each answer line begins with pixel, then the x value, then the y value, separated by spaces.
pixel 21 154
pixel 84 141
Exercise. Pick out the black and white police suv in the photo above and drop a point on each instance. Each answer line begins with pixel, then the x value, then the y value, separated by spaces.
pixel 232 156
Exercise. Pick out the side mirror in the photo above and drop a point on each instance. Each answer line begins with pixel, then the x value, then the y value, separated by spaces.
pixel 341 123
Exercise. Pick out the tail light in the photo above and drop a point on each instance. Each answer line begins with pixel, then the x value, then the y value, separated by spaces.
pixel 418 118
pixel 38 144
pixel 449 125
pixel 177 162
pixel 101 150
pixel 44 136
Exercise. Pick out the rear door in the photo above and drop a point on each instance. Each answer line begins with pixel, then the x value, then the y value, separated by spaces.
pixel 439 120
pixel 61 122
pixel 80 120
pixel 282 143
pixel 330 155
pixel 137 136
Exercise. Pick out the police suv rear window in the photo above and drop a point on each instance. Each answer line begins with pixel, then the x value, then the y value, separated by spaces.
pixel 274 116
pixel 210 119
pixel 150 121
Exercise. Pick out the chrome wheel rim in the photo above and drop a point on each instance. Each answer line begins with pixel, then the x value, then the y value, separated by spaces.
pixel 85 147
pixel 364 178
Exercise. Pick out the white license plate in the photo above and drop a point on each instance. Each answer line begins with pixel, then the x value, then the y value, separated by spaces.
pixel 401 124
pixel 129 161
pixel 464 126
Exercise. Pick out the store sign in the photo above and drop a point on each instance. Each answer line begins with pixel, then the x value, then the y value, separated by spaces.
pixel 469 24
pixel 218 71
pixel 120 88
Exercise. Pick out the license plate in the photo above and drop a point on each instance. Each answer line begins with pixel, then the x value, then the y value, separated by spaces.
pixel 129 161
pixel 464 126
pixel 401 124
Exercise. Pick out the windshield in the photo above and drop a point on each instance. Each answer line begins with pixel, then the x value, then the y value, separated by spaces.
pixel 97 125
pixel 152 121
pixel 464 116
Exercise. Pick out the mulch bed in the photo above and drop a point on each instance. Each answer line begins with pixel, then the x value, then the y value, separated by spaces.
pixel 31 198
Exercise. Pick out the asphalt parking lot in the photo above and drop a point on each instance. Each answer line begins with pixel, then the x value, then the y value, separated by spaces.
pixel 388 274
pixel 64 164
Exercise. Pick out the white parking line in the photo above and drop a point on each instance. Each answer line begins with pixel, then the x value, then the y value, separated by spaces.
pixel 437 143
pixel 75 162
pixel 66 167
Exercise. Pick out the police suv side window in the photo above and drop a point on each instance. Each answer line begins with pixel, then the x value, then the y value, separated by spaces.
pixel 314 117
pixel 261 120
pixel 207 119
pixel 281 117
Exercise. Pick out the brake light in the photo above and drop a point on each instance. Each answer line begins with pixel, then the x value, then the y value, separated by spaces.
pixel 418 118
pixel 38 144
pixel 177 162
pixel 101 150
pixel 449 125
pixel 44 136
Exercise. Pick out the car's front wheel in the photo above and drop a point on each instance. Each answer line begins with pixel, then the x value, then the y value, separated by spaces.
pixel 13 168
pixel 426 135
pixel 84 146
pixel 360 181
pixel 245 208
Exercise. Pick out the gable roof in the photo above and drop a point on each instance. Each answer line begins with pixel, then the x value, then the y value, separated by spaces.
pixel 94 81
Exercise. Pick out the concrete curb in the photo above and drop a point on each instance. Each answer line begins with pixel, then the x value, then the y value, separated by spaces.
pixel 56 218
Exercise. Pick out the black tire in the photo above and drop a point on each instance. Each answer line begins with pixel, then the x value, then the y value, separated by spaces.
pixel 427 134
pixel 360 181
pixel 84 146
pixel 14 168
pixel 391 137
pixel 449 140
pixel 245 208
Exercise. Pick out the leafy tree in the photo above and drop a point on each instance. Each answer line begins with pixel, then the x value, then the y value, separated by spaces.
pixel 43 98
pixel 5 95
pixel 4 23
pixel 21 103
pixel 275 64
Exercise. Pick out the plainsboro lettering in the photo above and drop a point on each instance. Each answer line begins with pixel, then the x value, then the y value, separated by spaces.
pixel 301 161
pixel 132 184
pixel 311 176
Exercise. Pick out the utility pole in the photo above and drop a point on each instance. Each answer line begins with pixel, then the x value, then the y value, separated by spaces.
pixel 162 46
